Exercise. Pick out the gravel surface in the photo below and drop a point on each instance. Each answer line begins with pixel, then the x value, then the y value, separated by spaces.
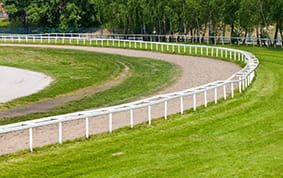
pixel 195 71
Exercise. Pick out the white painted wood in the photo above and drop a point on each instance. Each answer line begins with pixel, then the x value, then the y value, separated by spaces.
pixel 30 140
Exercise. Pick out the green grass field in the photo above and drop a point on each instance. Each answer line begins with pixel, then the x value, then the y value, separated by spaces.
pixel 74 70
pixel 241 137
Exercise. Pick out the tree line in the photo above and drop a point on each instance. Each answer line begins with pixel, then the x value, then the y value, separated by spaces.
pixel 193 17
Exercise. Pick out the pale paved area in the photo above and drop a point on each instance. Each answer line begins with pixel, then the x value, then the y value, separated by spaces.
pixel 16 83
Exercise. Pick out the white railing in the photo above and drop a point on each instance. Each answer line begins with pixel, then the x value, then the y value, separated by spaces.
pixel 216 40
pixel 242 79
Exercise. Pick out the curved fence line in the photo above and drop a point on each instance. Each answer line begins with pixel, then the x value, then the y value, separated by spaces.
pixel 222 40
pixel 242 79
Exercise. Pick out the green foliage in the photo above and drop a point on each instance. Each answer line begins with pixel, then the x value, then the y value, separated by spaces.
pixel 54 13
pixel 151 16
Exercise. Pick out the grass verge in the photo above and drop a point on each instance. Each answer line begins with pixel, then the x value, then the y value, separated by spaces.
pixel 241 137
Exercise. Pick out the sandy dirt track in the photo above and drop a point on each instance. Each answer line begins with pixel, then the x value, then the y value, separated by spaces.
pixel 16 83
pixel 195 71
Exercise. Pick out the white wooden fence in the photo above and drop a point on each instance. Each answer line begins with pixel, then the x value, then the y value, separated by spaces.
pixel 242 78
pixel 216 40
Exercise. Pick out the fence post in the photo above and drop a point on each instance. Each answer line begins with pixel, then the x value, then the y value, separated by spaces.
pixel 86 128
pixel 215 95
pixel 224 91
pixel 216 52
pixel 132 118
pixel 110 122
pixel 232 90
pixel 195 102
pixel 60 132
pixel 30 140
pixel 181 105
pixel 165 110
pixel 244 81
pixel 205 98
pixel 240 85
pixel 149 114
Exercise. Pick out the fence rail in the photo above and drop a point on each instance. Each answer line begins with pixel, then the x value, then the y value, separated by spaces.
pixel 216 40
pixel 242 79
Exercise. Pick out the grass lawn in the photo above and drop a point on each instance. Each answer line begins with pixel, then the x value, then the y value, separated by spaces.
pixel 74 70
pixel 241 137
pixel 4 23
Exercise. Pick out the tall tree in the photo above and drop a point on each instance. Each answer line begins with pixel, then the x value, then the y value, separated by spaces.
pixel 18 11
pixel 247 9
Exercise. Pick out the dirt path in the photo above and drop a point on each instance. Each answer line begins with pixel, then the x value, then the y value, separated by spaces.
pixel 195 71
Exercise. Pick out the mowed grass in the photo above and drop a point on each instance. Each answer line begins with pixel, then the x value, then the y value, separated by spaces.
pixel 241 137
pixel 70 69
pixel 73 70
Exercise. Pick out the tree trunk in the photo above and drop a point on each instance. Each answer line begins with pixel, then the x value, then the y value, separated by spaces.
pixel 246 33
pixel 232 32
pixel 224 30
pixel 281 33
pixel 257 36
pixel 276 34
pixel 185 28
pixel 198 31
pixel 210 32
pixel 262 35
pixel 192 35
pixel 223 33
pixel 204 32
pixel 268 35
